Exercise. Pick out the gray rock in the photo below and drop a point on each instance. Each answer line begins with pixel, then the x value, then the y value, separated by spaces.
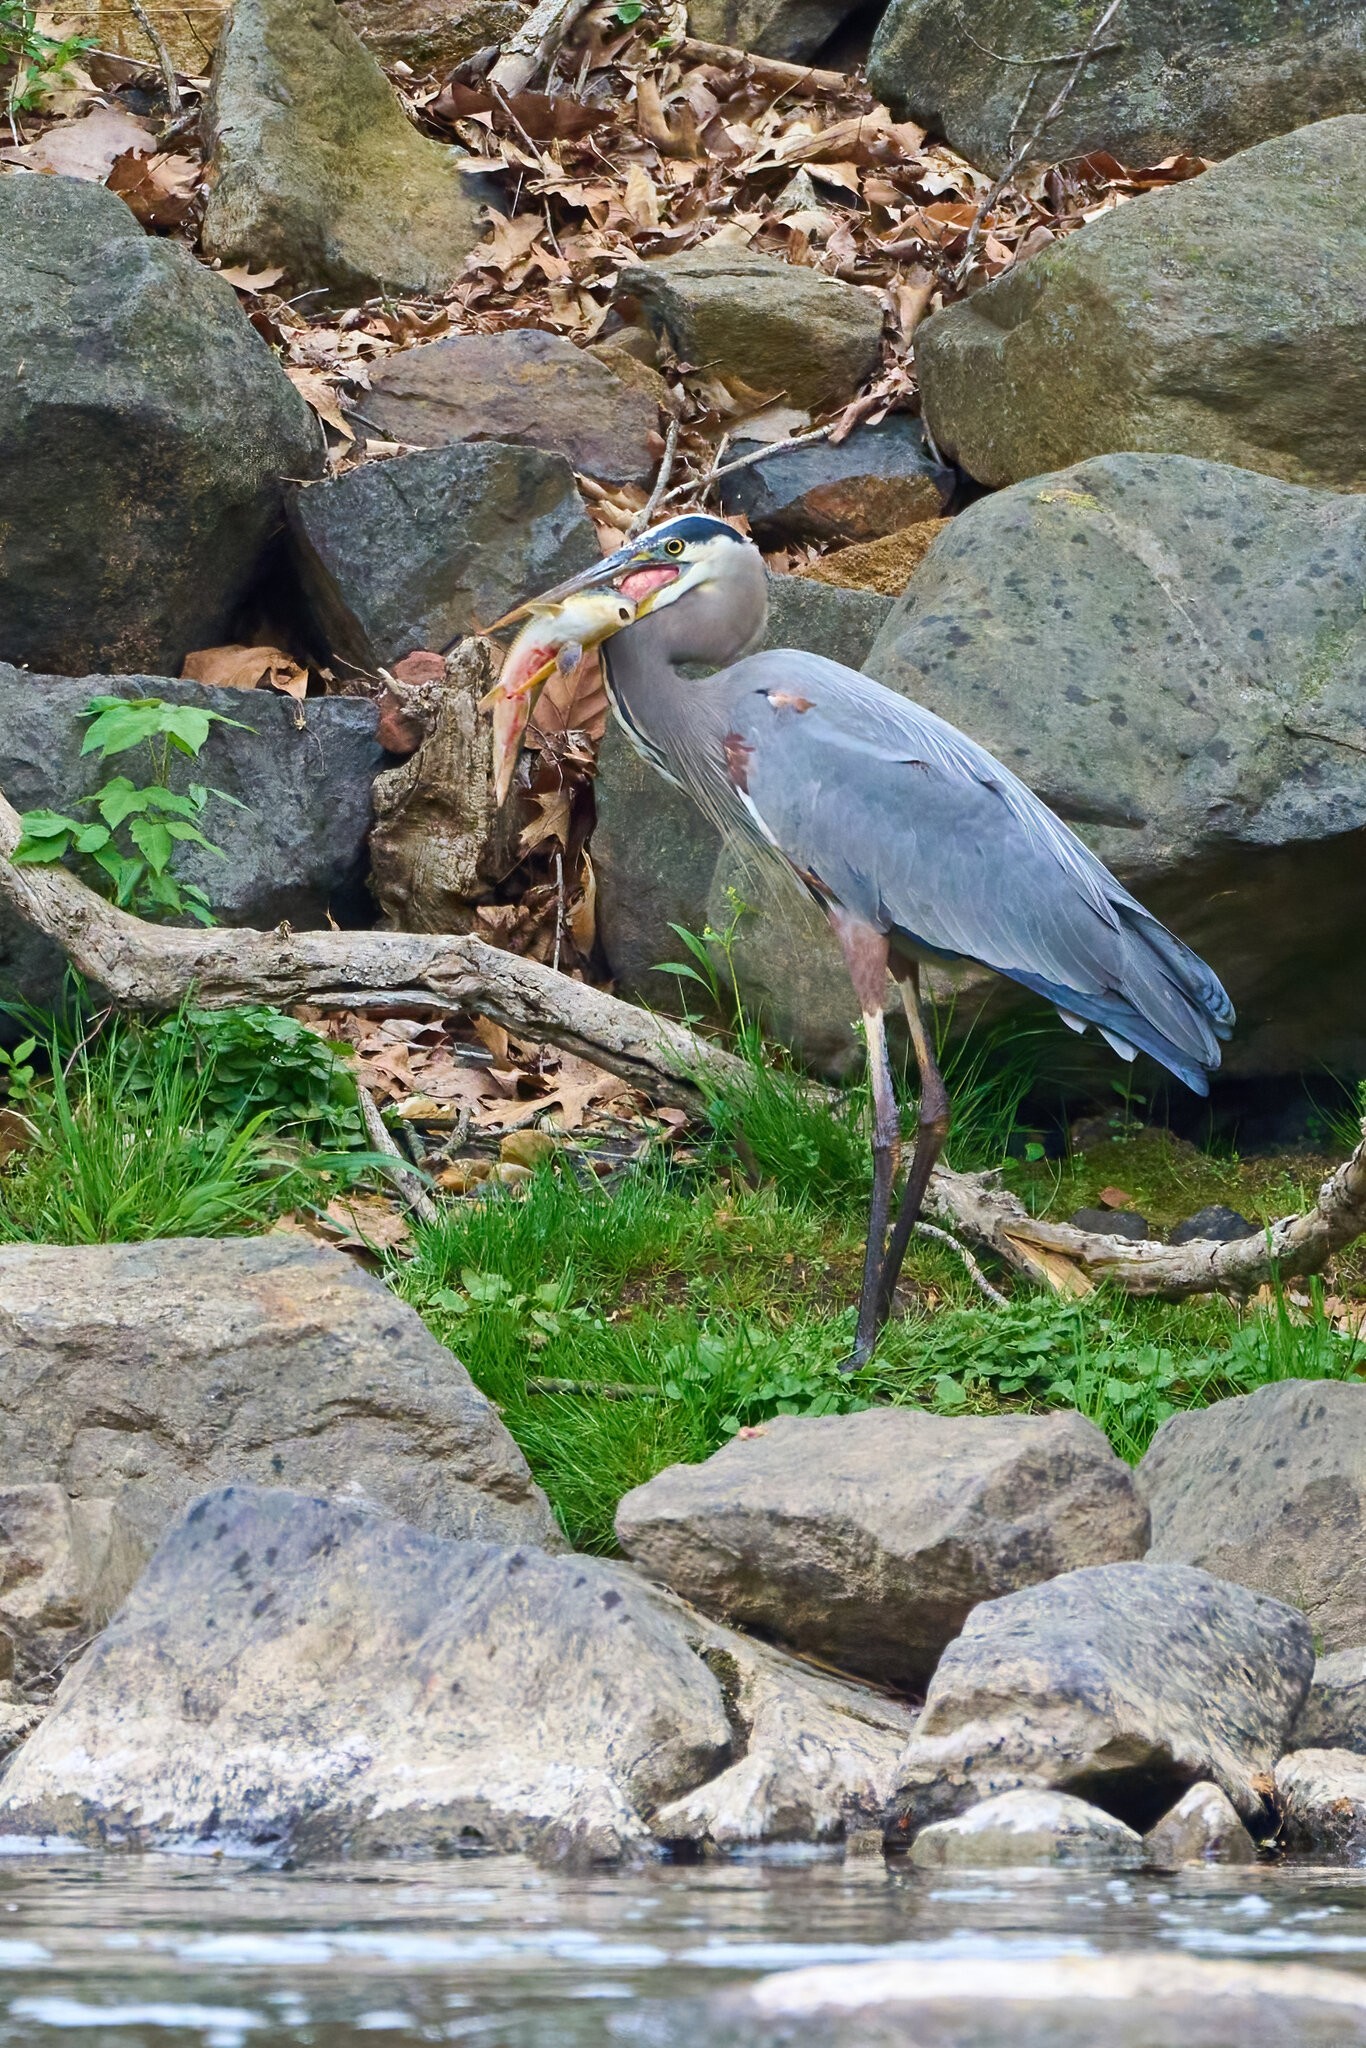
pixel 317 168
pixel 1321 1796
pixel 1062 2001
pixel 524 387
pixel 134 1376
pixel 878 481
pixel 792 29
pixel 1112 1223
pixel 304 772
pixel 1029 1828
pixel 777 328
pixel 1217 1224
pixel 816 1755
pixel 145 431
pixel 1173 654
pixel 1334 1714
pixel 1224 318
pixel 868 1539
pixel 659 861
pixel 1208 79
pixel 310 1674
pixel 1202 1827
pixel 1267 1489
pixel 417 550
pixel 1122 1683
pixel 432 35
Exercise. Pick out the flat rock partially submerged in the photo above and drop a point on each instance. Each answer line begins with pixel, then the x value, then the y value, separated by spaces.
pixel 869 1538
pixel 301 1672
pixel 1122 1683
pixel 1030 1829
pixel 1321 1797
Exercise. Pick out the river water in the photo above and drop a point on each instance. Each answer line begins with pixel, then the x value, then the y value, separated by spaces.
pixel 168 1952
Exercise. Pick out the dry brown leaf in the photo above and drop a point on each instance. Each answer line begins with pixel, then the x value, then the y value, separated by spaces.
pixel 244 280
pixel 246 668
pixel 86 148
pixel 161 191
pixel 322 396
pixel 573 702
pixel 1115 1198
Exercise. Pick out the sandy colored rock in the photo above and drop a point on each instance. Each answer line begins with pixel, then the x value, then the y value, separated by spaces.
pixel 1028 1828
pixel 1122 1683
pixel 522 387
pixel 1268 1489
pixel 316 167
pixel 431 35
pixel 868 1539
pixel 1321 1796
pixel 1223 318
pixel 145 435
pixel 885 566
pixel 1208 79
pixel 775 328
pixel 1202 1827
pixel 138 1375
pixel 303 1672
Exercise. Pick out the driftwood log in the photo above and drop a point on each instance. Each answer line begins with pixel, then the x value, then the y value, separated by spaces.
pixel 153 967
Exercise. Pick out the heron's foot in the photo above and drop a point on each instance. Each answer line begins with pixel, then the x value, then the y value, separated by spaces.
pixel 858 1357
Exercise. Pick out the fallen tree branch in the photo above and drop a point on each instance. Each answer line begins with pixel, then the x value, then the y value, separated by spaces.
pixel 775 71
pixel 169 80
pixel 154 967
pixel 406 1178
pixel 533 46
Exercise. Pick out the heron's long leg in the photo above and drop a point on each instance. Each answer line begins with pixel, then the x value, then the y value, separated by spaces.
pixel 865 955
pixel 931 1135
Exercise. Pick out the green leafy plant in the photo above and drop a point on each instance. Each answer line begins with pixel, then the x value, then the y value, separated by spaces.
pixel 628 12
pixel 36 64
pixel 130 841
pixel 254 1061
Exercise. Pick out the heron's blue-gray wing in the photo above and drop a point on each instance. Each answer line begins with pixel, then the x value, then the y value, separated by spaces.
pixel 914 827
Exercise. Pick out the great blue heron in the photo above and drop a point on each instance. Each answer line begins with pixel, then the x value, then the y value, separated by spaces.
pixel 917 844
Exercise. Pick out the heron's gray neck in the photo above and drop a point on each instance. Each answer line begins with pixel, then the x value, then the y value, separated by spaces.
pixel 706 630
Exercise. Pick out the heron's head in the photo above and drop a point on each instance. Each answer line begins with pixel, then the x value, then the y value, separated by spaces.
pixel 695 557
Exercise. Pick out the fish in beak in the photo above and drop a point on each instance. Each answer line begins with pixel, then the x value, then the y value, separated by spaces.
pixel 560 627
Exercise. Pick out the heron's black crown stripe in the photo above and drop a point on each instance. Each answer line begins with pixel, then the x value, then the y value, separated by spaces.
pixel 698 526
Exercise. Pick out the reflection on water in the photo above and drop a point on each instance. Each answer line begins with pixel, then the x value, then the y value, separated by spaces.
pixel 163 1952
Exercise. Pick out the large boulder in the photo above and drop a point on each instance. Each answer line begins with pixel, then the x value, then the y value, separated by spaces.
pixel 133 1376
pixel 1334 1714
pixel 317 169
pixel 1207 79
pixel 303 773
pixel 1223 318
pixel 524 387
pixel 659 861
pixel 868 1539
pixel 144 437
pixel 307 1673
pixel 775 328
pixel 1202 1827
pixel 1122 1683
pixel 1173 654
pixel 1145 2000
pixel 877 481
pixel 413 552
pixel 1268 1489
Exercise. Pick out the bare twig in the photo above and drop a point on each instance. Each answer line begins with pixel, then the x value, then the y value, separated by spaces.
pixel 975 1273
pixel 1020 154
pixel 700 487
pixel 661 484
pixel 767 70
pixel 406 1178
pixel 1031 63
pixel 163 56
pixel 534 44
pixel 603 1390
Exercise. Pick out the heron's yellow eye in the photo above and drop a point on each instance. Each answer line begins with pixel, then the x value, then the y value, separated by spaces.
pixel 673 547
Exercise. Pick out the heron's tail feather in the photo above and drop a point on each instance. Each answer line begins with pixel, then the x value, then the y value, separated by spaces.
pixel 1165 1000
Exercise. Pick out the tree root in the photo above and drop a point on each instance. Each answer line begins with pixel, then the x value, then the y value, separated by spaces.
pixel 153 967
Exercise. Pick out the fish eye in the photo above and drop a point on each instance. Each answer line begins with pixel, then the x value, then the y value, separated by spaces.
pixel 673 547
